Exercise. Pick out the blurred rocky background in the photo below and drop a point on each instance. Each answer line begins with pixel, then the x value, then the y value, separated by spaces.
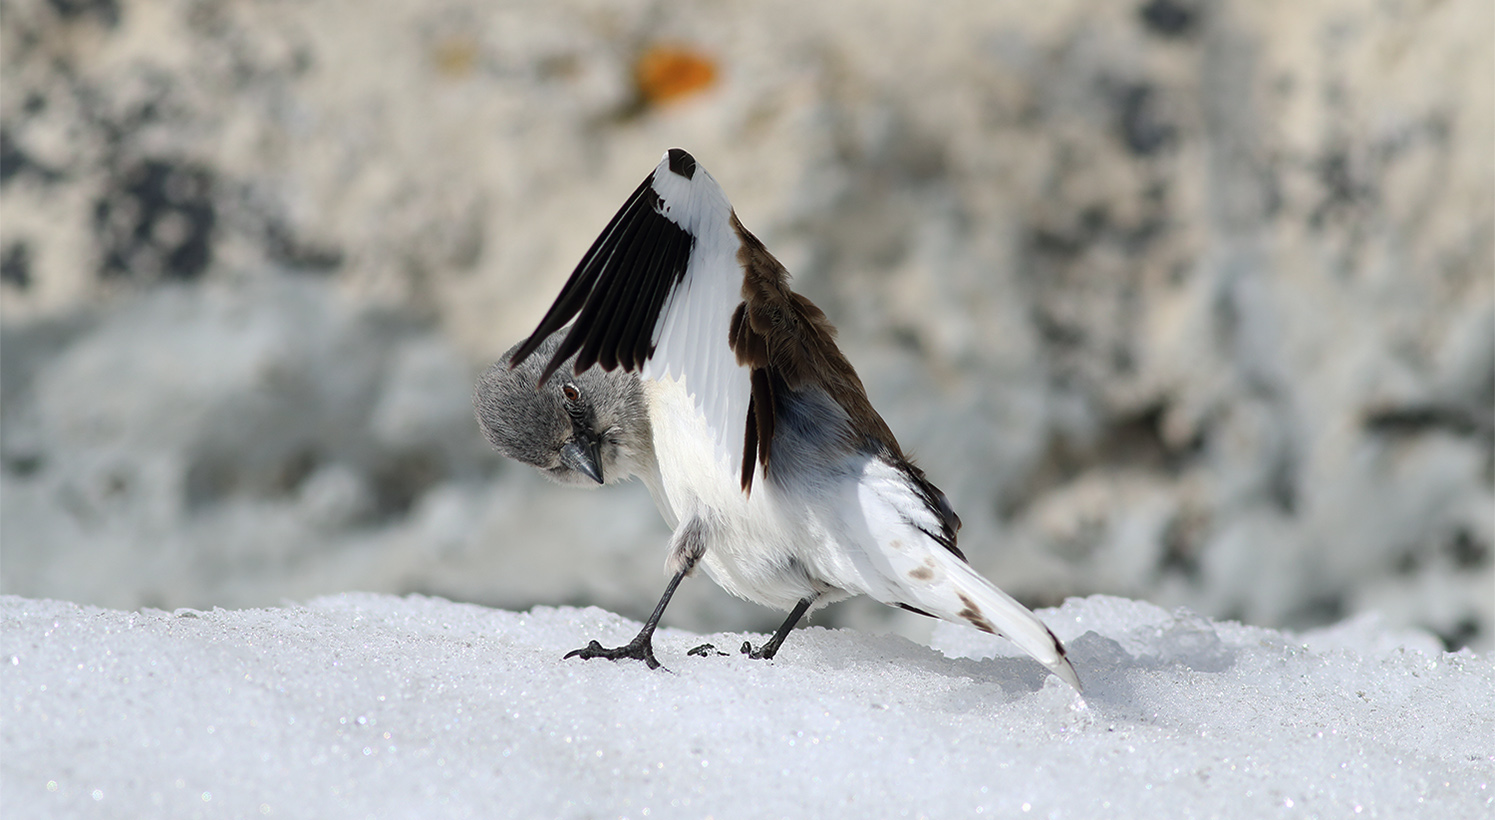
pixel 1191 301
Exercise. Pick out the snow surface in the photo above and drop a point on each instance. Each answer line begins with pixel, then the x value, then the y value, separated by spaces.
pixel 364 705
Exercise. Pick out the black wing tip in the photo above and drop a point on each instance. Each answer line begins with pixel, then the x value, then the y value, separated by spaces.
pixel 525 350
pixel 547 373
pixel 529 348
pixel 682 163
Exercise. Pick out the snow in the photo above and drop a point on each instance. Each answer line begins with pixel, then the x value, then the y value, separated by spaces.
pixel 362 705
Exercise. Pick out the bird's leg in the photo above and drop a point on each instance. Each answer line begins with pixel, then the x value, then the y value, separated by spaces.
pixel 690 544
pixel 771 648
pixel 641 648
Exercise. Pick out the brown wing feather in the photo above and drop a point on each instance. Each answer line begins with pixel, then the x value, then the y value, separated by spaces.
pixel 786 340
pixel 789 344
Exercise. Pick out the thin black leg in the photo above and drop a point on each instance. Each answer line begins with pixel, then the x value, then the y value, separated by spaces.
pixel 641 648
pixel 768 650
pixel 688 543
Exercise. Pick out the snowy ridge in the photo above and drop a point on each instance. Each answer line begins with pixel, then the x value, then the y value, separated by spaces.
pixel 374 706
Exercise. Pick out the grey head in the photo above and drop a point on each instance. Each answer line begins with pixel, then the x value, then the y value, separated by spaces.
pixel 583 428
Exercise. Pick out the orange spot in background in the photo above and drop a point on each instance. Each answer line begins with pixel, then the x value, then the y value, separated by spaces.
pixel 455 57
pixel 668 73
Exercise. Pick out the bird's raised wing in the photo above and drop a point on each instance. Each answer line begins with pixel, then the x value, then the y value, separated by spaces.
pixel 657 293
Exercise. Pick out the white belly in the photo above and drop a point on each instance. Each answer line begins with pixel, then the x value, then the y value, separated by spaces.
pixel 758 547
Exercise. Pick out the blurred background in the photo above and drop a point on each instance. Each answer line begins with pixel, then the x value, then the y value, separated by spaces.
pixel 1191 301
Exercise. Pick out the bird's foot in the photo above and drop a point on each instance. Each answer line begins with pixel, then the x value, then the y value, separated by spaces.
pixel 706 649
pixel 762 653
pixel 639 649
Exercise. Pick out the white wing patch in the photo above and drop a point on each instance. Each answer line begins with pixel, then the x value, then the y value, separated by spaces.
pixel 691 334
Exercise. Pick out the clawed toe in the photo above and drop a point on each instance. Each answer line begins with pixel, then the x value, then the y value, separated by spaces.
pixel 637 650
pixel 706 649
pixel 765 652
pixel 591 650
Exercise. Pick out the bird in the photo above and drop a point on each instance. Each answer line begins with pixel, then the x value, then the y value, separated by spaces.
pixel 678 353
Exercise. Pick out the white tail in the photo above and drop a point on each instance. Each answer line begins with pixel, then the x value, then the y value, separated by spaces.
pixel 966 597
pixel 910 568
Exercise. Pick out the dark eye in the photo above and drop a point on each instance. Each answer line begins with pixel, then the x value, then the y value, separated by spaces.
pixel 574 408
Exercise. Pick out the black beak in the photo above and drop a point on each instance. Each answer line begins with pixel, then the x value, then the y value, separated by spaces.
pixel 583 454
